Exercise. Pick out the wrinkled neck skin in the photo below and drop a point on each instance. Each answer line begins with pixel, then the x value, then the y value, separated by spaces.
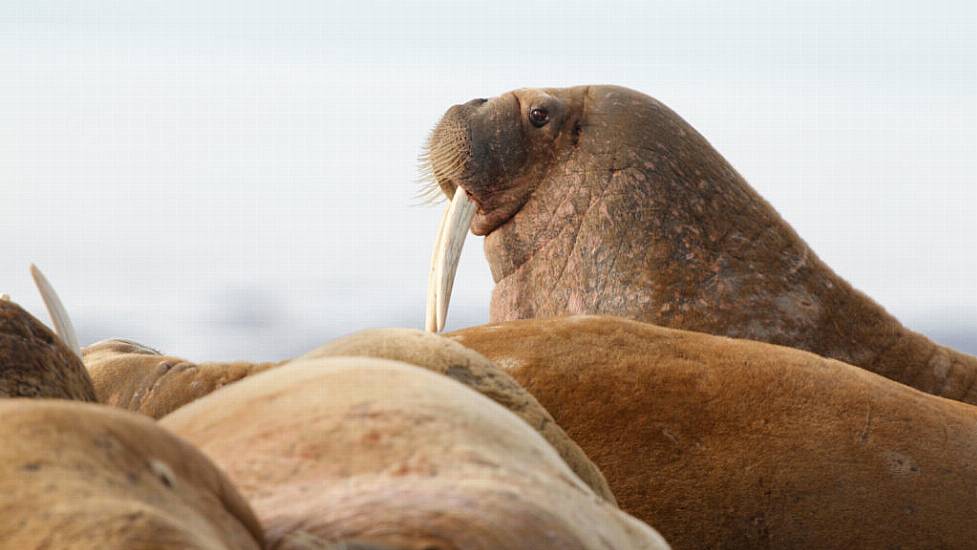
pixel 665 231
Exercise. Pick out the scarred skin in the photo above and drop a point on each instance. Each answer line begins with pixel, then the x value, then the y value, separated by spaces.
pixel 618 206
pixel 34 362
pixel 729 443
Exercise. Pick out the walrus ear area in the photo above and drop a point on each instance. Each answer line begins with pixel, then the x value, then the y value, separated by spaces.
pixel 575 132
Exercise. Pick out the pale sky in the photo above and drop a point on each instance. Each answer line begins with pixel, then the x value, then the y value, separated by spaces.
pixel 235 179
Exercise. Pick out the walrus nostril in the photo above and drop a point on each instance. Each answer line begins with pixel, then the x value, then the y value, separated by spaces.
pixel 476 102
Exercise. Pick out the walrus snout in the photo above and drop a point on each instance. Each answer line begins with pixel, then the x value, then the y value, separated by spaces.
pixel 481 145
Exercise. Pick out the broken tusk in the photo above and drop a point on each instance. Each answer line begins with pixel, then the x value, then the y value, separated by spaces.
pixel 444 263
pixel 55 309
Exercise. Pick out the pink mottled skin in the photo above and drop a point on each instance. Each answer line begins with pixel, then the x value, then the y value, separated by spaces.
pixel 618 206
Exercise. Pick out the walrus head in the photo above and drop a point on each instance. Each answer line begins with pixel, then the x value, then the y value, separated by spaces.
pixel 593 199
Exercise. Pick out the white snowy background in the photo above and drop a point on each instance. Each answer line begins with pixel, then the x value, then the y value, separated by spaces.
pixel 234 179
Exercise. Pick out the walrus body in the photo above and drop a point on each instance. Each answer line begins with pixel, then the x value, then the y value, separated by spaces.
pixel 387 453
pixel 34 362
pixel 727 443
pixel 84 476
pixel 601 200
pixel 134 377
pixel 444 356
pixel 131 376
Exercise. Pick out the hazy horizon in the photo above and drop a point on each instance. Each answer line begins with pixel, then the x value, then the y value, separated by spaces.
pixel 234 180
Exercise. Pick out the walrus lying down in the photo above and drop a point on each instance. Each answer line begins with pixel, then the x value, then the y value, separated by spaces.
pixel 601 200
pixel 134 377
pixel 384 452
pixel 79 475
pixel 726 443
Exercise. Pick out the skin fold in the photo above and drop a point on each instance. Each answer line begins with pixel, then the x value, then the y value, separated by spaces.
pixel 729 443
pixel 135 377
pixel 615 205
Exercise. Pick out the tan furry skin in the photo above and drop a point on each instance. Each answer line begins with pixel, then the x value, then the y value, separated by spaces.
pixel 616 205
pixel 34 362
pixel 84 476
pixel 728 443
pixel 137 378
pixel 388 453
pixel 444 356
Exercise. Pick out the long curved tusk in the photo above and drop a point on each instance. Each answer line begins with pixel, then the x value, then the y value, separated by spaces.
pixel 430 316
pixel 444 263
pixel 56 310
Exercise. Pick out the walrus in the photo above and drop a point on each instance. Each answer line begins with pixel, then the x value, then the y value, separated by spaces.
pixel 138 378
pixel 387 453
pixel 444 356
pixel 135 377
pixel 34 362
pixel 601 200
pixel 85 476
pixel 730 443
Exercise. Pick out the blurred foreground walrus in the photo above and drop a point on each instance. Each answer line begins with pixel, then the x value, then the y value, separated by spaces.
pixel 728 443
pixel 83 476
pixel 383 452
pixel 599 199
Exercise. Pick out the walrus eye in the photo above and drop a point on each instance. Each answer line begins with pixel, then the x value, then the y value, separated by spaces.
pixel 538 117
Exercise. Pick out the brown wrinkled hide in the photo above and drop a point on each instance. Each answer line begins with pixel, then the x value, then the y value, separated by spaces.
pixel 34 362
pixel 386 453
pixel 136 378
pixel 726 443
pixel 83 476
pixel 443 356
pixel 632 213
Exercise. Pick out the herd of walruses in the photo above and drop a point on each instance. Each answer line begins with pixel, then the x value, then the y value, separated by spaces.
pixel 667 364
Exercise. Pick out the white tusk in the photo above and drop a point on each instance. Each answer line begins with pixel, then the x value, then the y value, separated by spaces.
pixel 444 264
pixel 430 316
pixel 55 309
pixel 4 297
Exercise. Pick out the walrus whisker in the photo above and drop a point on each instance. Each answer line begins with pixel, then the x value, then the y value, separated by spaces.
pixel 59 316
pixel 426 198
